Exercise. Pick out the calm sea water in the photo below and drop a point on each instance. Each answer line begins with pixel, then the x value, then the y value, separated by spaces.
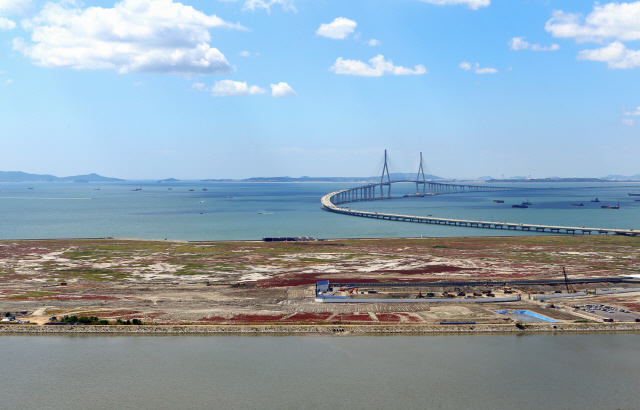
pixel 594 371
pixel 58 210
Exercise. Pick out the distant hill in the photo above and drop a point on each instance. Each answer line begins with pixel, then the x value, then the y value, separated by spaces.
pixel 17 176
pixel 169 180
pixel 394 177
pixel 635 177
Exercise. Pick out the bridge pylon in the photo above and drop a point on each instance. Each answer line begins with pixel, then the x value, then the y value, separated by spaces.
pixel 424 180
pixel 385 168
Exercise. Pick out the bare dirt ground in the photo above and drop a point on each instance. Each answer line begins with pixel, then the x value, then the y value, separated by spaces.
pixel 168 282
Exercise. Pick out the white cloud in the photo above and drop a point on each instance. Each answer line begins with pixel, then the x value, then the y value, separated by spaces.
pixel 472 4
pixel 252 5
pixel 230 88
pixel 465 65
pixel 636 112
pixel 628 121
pixel 282 90
pixel 340 28
pixel 616 55
pixel 8 81
pixel 619 21
pixel 134 36
pixel 373 42
pixel 6 24
pixel 244 54
pixel 199 87
pixel 15 6
pixel 519 43
pixel 378 66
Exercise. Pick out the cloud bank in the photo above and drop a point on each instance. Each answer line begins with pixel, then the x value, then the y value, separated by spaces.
pixel 158 36
pixel 377 67
pixel 340 28
pixel 282 90
pixel 519 43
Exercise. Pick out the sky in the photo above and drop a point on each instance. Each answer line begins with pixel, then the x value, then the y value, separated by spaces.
pixel 195 89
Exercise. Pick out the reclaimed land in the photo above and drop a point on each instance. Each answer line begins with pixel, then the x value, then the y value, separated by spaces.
pixel 256 287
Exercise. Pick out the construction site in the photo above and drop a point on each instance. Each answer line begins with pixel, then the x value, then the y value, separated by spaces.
pixel 405 281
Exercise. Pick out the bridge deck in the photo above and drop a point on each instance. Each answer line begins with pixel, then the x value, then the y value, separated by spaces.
pixel 328 205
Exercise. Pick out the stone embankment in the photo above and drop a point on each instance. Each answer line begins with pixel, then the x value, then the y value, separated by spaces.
pixel 319 329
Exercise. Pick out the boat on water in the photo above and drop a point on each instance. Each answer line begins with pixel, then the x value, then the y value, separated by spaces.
pixel 204 189
pixel 229 197
pixel 611 207
pixel 137 189
pixel 30 188
pixel 595 200
pixel 96 189
pixel 191 190
pixel 519 206
pixel 527 203
pixel 498 201
pixel 577 204
pixel 634 193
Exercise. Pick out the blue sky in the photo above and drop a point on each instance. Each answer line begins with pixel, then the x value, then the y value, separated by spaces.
pixel 235 89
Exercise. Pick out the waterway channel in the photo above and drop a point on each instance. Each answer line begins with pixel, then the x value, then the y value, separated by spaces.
pixel 533 371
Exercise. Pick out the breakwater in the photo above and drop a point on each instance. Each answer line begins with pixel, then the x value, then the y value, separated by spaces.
pixel 320 329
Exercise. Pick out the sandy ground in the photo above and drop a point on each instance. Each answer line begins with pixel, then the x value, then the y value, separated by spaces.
pixel 167 282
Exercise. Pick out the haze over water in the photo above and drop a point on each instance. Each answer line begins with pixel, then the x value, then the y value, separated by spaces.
pixel 256 210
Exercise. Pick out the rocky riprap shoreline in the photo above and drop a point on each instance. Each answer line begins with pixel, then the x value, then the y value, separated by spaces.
pixel 317 329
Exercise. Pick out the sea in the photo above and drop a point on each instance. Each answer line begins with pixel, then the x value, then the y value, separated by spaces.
pixel 494 371
pixel 204 211
pixel 488 371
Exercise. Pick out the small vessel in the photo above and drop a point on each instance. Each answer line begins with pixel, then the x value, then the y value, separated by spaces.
pixel 229 197
pixel 170 189
pixel 137 189
pixel 595 200
pixel 30 188
pixel 191 190
pixel 96 189
pixel 519 206
pixel 200 202
pixel 577 204
pixel 204 189
pixel 634 194
pixel 498 201
pixel 611 207
pixel 527 203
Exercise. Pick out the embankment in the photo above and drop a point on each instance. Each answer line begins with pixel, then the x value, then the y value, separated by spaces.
pixel 320 329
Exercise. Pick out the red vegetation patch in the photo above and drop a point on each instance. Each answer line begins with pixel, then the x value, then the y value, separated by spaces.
pixel 411 318
pixel 256 318
pixel 427 270
pixel 354 318
pixel 388 317
pixel 72 297
pixel 309 317
pixel 633 306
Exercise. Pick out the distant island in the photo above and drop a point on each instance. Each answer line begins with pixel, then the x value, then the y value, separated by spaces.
pixel 394 177
pixel 169 180
pixel 17 176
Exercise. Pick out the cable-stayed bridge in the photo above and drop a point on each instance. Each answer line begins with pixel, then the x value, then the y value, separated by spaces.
pixel 332 201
